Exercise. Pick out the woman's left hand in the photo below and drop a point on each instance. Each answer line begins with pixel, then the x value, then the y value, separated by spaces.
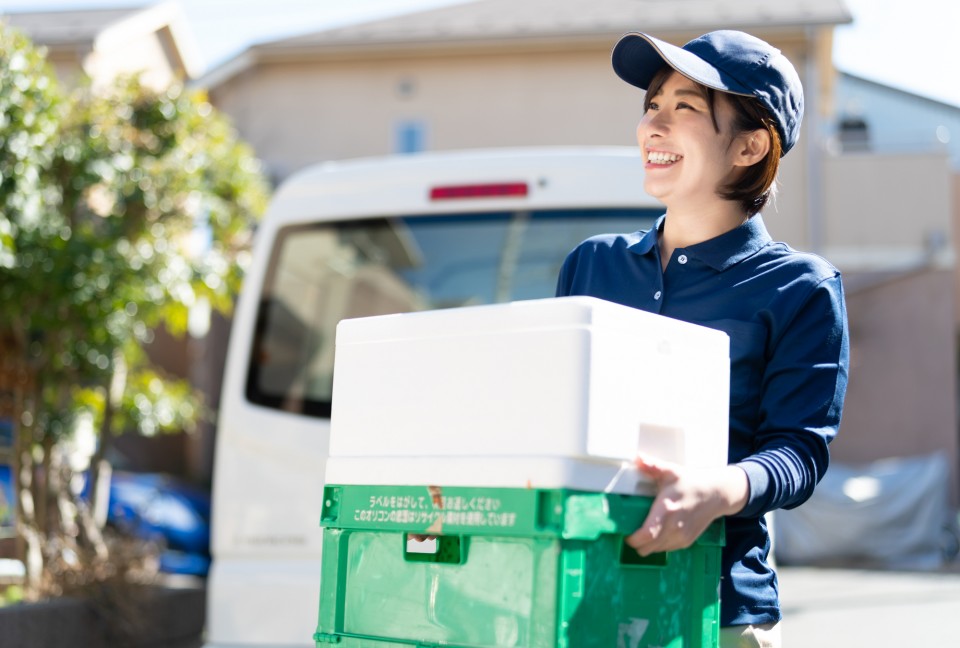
pixel 687 501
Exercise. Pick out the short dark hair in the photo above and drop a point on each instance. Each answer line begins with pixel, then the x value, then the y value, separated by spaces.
pixel 752 187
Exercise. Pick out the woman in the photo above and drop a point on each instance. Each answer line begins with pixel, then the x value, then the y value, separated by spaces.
pixel 719 114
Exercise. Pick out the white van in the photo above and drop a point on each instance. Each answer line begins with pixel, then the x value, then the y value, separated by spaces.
pixel 363 238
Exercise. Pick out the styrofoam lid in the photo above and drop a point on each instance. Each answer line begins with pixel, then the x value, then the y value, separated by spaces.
pixel 528 315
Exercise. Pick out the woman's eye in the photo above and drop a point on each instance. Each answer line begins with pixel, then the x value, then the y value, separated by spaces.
pixel 684 105
pixel 653 105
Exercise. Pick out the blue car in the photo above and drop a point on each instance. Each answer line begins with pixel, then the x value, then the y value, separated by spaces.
pixel 164 509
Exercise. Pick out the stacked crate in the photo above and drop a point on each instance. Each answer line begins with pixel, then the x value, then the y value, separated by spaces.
pixel 505 432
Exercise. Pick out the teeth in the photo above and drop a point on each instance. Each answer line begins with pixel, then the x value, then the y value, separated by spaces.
pixel 660 157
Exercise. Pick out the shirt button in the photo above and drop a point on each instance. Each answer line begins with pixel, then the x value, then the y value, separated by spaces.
pixel 682 259
pixel 656 295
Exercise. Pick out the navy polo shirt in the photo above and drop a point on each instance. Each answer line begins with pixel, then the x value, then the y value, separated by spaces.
pixel 785 315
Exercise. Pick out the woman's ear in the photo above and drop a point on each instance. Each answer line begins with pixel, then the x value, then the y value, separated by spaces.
pixel 751 147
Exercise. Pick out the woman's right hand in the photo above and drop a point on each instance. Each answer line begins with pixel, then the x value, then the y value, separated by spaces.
pixel 687 501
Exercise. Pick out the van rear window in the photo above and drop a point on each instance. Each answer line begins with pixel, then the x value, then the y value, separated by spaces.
pixel 320 274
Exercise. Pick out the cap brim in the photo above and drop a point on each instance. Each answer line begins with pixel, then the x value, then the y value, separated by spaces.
pixel 637 57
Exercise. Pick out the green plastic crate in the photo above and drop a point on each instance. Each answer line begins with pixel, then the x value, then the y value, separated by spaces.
pixel 513 567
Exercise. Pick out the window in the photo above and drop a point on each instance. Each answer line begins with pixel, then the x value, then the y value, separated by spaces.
pixel 410 137
pixel 320 274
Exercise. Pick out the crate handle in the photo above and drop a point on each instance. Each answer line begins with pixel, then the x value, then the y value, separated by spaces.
pixel 448 550
pixel 630 558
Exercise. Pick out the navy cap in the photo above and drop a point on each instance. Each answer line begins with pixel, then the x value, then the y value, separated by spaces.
pixel 730 61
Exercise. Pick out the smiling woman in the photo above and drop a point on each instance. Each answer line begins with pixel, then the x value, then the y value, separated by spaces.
pixel 751 184
pixel 719 114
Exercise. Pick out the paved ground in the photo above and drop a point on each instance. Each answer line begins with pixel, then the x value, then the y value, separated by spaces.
pixel 851 608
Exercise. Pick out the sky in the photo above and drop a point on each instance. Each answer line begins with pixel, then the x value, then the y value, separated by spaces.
pixel 908 44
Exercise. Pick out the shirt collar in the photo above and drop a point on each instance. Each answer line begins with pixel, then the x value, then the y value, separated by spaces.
pixel 648 239
pixel 720 252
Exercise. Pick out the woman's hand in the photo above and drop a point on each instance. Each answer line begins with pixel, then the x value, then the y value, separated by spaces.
pixel 687 501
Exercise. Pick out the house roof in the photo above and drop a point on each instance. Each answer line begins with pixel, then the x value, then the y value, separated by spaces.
pixel 486 19
pixel 93 29
pixel 486 22
pixel 56 28
pixel 886 88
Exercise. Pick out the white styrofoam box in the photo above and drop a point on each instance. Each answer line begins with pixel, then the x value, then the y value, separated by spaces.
pixel 547 393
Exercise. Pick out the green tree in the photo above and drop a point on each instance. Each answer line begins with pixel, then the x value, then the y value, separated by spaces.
pixel 127 207
pixel 29 101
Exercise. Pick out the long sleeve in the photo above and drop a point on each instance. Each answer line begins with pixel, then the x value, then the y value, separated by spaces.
pixel 803 388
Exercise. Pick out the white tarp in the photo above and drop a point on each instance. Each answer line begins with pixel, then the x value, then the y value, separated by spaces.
pixel 892 513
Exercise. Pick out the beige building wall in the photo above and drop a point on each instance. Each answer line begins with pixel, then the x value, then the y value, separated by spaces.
pixel 350 108
pixel 901 399
pixel 152 56
pixel 886 211
pixel 103 43
pixel 888 226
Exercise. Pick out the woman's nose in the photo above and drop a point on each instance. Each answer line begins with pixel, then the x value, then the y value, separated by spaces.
pixel 649 128
pixel 655 122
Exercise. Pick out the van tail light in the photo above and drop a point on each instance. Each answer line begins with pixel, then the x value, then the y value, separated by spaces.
pixel 497 190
